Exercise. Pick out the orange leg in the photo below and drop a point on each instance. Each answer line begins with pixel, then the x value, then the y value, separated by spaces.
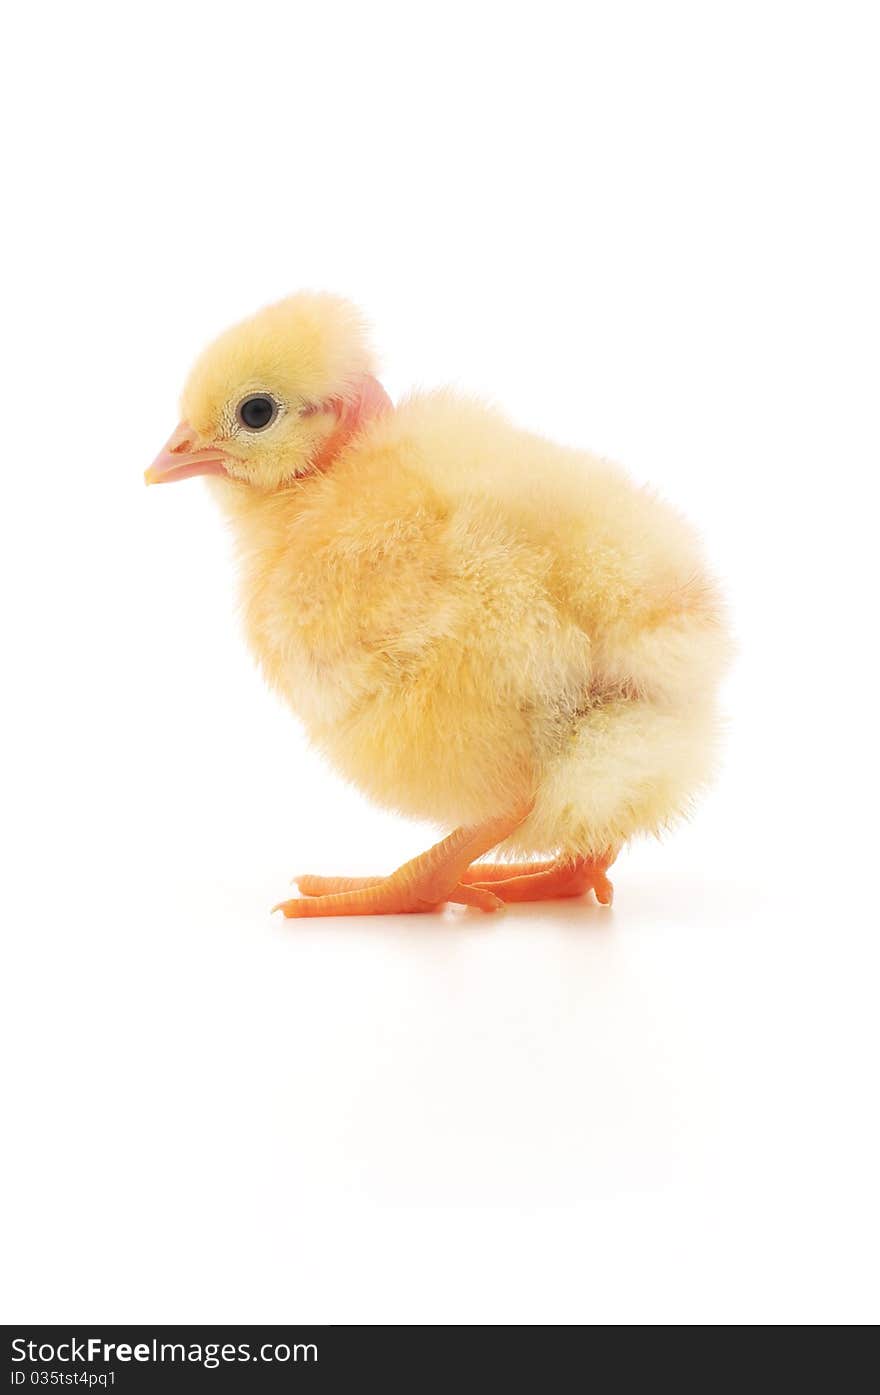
pixel 544 881
pixel 420 885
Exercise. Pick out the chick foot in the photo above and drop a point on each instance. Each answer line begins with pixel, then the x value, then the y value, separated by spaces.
pixel 423 884
pixel 544 881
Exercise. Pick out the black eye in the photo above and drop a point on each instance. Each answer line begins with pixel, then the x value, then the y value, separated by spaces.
pixel 258 412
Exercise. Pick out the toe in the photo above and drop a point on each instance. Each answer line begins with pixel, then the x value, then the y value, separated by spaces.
pixel 384 898
pixel 480 896
pixel 329 886
pixel 603 889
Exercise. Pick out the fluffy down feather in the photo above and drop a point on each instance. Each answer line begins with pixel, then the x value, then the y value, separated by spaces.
pixel 463 615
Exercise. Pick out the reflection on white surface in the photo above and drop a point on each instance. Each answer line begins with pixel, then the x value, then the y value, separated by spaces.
pixel 556 1113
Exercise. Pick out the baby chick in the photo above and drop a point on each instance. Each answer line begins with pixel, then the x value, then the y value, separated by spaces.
pixel 478 627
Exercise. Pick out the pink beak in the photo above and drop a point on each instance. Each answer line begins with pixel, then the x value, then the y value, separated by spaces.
pixel 179 458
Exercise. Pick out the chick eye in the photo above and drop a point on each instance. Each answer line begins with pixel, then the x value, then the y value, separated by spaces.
pixel 258 412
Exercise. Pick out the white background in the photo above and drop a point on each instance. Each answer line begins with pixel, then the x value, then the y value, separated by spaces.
pixel 647 229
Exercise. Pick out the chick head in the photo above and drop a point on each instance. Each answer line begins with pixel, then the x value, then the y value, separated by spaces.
pixel 267 400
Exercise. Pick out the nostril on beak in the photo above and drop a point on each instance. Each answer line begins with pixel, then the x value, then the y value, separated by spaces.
pixel 183 440
pixel 183 454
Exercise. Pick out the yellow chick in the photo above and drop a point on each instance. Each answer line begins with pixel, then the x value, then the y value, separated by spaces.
pixel 478 627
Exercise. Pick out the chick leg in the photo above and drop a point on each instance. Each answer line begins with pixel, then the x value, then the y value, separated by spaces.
pixel 546 881
pixel 420 885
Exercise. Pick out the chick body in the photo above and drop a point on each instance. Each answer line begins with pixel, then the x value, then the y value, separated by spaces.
pixel 467 617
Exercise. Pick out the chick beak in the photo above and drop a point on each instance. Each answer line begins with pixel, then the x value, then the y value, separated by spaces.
pixel 180 457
